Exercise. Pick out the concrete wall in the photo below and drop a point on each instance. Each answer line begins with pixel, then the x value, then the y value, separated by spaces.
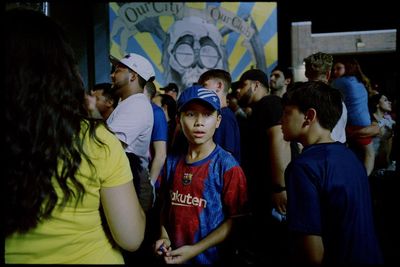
pixel 305 43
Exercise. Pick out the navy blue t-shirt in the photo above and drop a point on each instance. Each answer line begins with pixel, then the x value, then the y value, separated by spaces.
pixel 329 196
pixel 227 134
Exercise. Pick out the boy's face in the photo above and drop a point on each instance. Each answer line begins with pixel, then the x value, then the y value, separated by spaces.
pixel 102 103
pixel 292 123
pixel 245 92
pixel 199 122
pixel 277 80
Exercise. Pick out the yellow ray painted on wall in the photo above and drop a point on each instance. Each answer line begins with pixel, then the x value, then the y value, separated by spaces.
pixel 271 50
pixel 150 47
pixel 261 12
pixel 247 67
pixel 198 5
pixel 237 53
pixel 115 7
pixel 157 84
pixel 166 22
pixel 232 7
pixel 115 50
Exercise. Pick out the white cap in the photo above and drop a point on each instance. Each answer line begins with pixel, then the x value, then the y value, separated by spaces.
pixel 137 63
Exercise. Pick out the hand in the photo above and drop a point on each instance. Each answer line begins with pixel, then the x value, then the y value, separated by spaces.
pixel 279 201
pixel 179 255
pixel 162 246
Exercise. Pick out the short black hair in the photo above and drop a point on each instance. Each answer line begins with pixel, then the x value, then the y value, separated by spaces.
pixel 108 92
pixel 287 71
pixel 217 74
pixel 326 100
pixel 170 87
pixel 373 101
pixel 255 75
pixel 151 89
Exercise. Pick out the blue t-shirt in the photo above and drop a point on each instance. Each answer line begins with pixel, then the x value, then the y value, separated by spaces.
pixel 160 127
pixel 355 96
pixel 328 195
pixel 227 134
pixel 199 197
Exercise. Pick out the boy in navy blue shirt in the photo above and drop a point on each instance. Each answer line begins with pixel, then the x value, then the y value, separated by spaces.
pixel 329 209
pixel 204 189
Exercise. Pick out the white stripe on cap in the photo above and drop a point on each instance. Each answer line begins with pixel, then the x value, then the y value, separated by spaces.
pixel 203 93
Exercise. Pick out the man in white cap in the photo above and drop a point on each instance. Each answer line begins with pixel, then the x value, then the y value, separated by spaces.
pixel 132 119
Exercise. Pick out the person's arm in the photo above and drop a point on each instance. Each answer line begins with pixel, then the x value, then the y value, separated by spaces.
pixel 160 154
pixel 279 155
pixel 185 253
pixel 309 250
pixel 124 214
pixel 368 131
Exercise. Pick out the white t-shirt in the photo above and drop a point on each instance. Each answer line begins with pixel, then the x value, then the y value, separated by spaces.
pixel 132 122
pixel 339 131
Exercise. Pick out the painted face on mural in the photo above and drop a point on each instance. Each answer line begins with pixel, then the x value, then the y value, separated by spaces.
pixel 195 46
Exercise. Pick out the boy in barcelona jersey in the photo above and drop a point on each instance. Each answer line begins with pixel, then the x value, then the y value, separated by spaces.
pixel 203 190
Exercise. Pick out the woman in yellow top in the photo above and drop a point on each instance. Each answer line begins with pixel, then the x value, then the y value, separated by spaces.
pixel 63 168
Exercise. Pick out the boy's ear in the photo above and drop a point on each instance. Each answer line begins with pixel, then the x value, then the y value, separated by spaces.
pixel 288 81
pixel 219 118
pixel 328 75
pixel 310 115
pixel 133 76
pixel 109 102
pixel 219 87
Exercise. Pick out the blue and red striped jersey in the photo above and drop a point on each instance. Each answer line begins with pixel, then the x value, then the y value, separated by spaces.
pixel 200 197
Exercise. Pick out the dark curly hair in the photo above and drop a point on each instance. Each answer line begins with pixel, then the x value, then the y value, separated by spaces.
pixel 45 114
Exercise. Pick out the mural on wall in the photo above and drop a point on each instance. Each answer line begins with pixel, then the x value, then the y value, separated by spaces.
pixel 182 40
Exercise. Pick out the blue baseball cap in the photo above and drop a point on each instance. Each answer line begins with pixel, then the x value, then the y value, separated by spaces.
pixel 198 92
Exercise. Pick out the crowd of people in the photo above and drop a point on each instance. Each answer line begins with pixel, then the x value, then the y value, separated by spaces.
pixel 263 170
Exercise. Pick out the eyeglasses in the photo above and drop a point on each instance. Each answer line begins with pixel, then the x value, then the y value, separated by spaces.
pixel 207 56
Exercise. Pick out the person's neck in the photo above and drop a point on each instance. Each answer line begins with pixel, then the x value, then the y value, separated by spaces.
pixel 260 95
pixel 130 91
pixel 107 113
pixel 279 92
pixel 199 152
pixel 321 78
pixel 379 114
pixel 318 135
pixel 223 102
